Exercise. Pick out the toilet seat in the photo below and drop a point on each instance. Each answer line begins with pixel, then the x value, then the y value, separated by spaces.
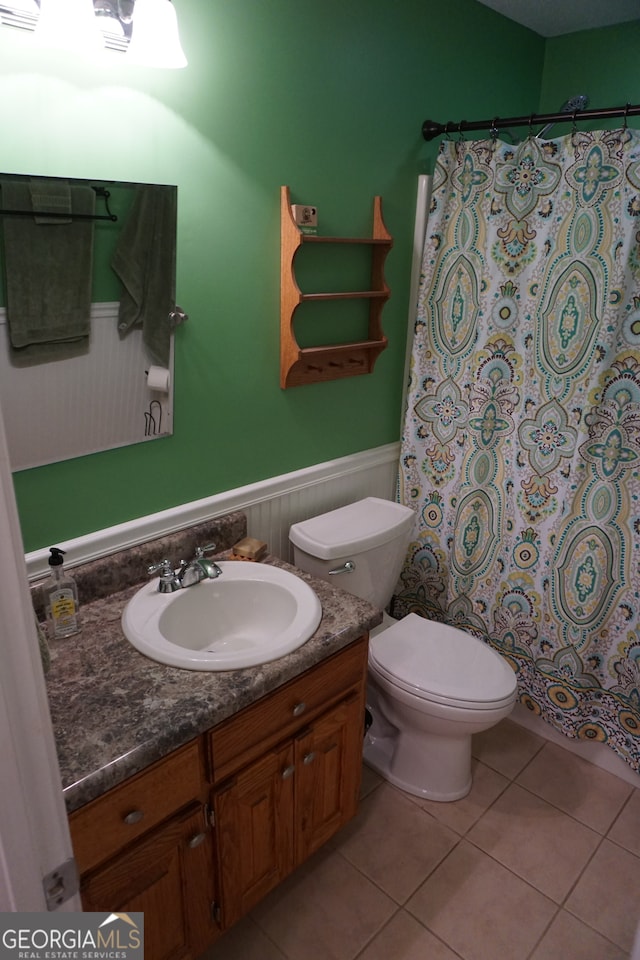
pixel 442 664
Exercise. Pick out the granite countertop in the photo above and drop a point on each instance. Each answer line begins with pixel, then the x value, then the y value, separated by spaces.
pixel 115 711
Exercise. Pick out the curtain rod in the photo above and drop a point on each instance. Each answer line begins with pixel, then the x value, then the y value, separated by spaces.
pixel 432 129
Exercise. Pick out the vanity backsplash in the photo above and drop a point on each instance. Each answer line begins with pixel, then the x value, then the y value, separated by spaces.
pixel 126 568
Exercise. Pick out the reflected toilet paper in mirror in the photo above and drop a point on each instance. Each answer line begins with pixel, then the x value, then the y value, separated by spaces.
pixel 158 378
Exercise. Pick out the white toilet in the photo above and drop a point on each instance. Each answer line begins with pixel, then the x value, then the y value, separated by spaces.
pixel 431 686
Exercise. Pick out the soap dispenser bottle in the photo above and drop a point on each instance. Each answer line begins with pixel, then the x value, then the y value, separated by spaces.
pixel 61 598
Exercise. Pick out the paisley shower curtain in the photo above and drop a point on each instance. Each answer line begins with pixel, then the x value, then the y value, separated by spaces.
pixel 521 446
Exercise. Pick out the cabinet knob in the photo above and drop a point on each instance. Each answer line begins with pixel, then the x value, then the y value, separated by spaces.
pixel 299 709
pixel 288 772
pixel 135 816
pixel 196 840
pixel 309 757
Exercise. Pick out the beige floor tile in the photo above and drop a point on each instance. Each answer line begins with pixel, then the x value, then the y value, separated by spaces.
pixel 245 941
pixel 461 815
pixel 404 938
pixel 370 780
pixel 540 843
pixel 607 896
pixel 480 909
pixel 327 910
pixel 507 747
pixel 591 795
pixel 626 829
pixel 570 939
pixel 394 842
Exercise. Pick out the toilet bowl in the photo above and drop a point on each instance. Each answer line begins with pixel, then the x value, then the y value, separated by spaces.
pixel 430 686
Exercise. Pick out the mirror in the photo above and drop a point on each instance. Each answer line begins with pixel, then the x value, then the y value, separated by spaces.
pixel 87 312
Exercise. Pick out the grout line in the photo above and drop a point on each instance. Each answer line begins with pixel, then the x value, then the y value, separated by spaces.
pixel 376 934
pixel 592 928
pixel 581 874
pixel 621 811
pixel 426 876
pixel 513 872
pixel 553 806
pixel 621 846
pixel 518 772
pixel 544 933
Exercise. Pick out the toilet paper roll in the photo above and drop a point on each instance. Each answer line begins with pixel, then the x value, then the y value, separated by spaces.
pixel 159 378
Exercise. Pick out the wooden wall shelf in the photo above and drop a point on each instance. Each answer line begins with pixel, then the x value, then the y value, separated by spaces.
pixel 300 365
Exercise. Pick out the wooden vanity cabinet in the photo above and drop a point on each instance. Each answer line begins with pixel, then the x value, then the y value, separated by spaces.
pixel 254 816
pixel 273 812
pixel 147 845
pixel 198 838
pixel 169 877
pixel 328 767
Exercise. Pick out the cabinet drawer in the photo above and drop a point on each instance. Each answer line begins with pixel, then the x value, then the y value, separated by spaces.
pixel 106 825
pixel 241 738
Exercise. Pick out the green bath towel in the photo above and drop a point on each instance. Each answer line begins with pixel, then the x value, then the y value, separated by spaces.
pixel 145 263
pixel 48 269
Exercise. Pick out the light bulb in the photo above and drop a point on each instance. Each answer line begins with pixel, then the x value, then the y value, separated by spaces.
pixel 155 41
pixel 69 25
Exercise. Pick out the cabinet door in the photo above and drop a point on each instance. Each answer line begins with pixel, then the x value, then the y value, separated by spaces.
pixel 170 877
pixel 254 828
pixel 328 769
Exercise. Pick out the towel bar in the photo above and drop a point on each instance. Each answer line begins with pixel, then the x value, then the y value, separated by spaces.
pixel 99 191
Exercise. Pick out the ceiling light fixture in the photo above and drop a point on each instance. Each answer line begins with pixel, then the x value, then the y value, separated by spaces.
pixel 108 19
pixel 147 30
pixel 155 40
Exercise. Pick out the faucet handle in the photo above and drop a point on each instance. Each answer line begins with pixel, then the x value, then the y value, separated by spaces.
pixel 202 551
pixel 168 582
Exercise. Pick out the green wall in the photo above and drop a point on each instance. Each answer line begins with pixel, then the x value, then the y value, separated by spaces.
pixel 603 64
pixel 328 98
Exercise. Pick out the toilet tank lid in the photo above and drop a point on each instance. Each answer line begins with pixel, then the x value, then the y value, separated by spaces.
pixel 358 526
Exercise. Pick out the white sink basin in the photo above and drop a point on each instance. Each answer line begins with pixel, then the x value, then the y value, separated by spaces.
pixel 251 614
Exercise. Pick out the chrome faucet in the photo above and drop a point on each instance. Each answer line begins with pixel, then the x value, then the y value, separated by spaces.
pixel 199 568
pixel 188 573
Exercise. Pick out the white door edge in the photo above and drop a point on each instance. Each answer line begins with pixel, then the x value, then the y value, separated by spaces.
pixel 34 833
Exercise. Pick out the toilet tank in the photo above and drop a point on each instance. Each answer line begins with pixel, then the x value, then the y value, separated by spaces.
pixel 372 535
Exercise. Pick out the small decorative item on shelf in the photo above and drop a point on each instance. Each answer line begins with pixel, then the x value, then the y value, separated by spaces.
pixel 305 217
pixel 301 365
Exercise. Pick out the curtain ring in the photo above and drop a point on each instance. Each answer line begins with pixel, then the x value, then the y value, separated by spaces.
pixel 574 127
pixel 460 133
pixel 493 129
pixel 446 130
pixel 626 116
pixel 531 125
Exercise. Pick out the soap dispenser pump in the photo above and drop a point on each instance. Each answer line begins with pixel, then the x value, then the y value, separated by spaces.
pixel 61 598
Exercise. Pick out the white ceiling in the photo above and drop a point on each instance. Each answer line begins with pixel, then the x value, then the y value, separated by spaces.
pixel 551 18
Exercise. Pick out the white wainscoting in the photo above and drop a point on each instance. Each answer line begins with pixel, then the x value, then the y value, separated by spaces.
pixel 95 401
pixel 271 507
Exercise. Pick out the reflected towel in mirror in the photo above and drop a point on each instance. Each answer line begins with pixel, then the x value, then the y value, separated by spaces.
pixel 144 261
pixel 48 270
